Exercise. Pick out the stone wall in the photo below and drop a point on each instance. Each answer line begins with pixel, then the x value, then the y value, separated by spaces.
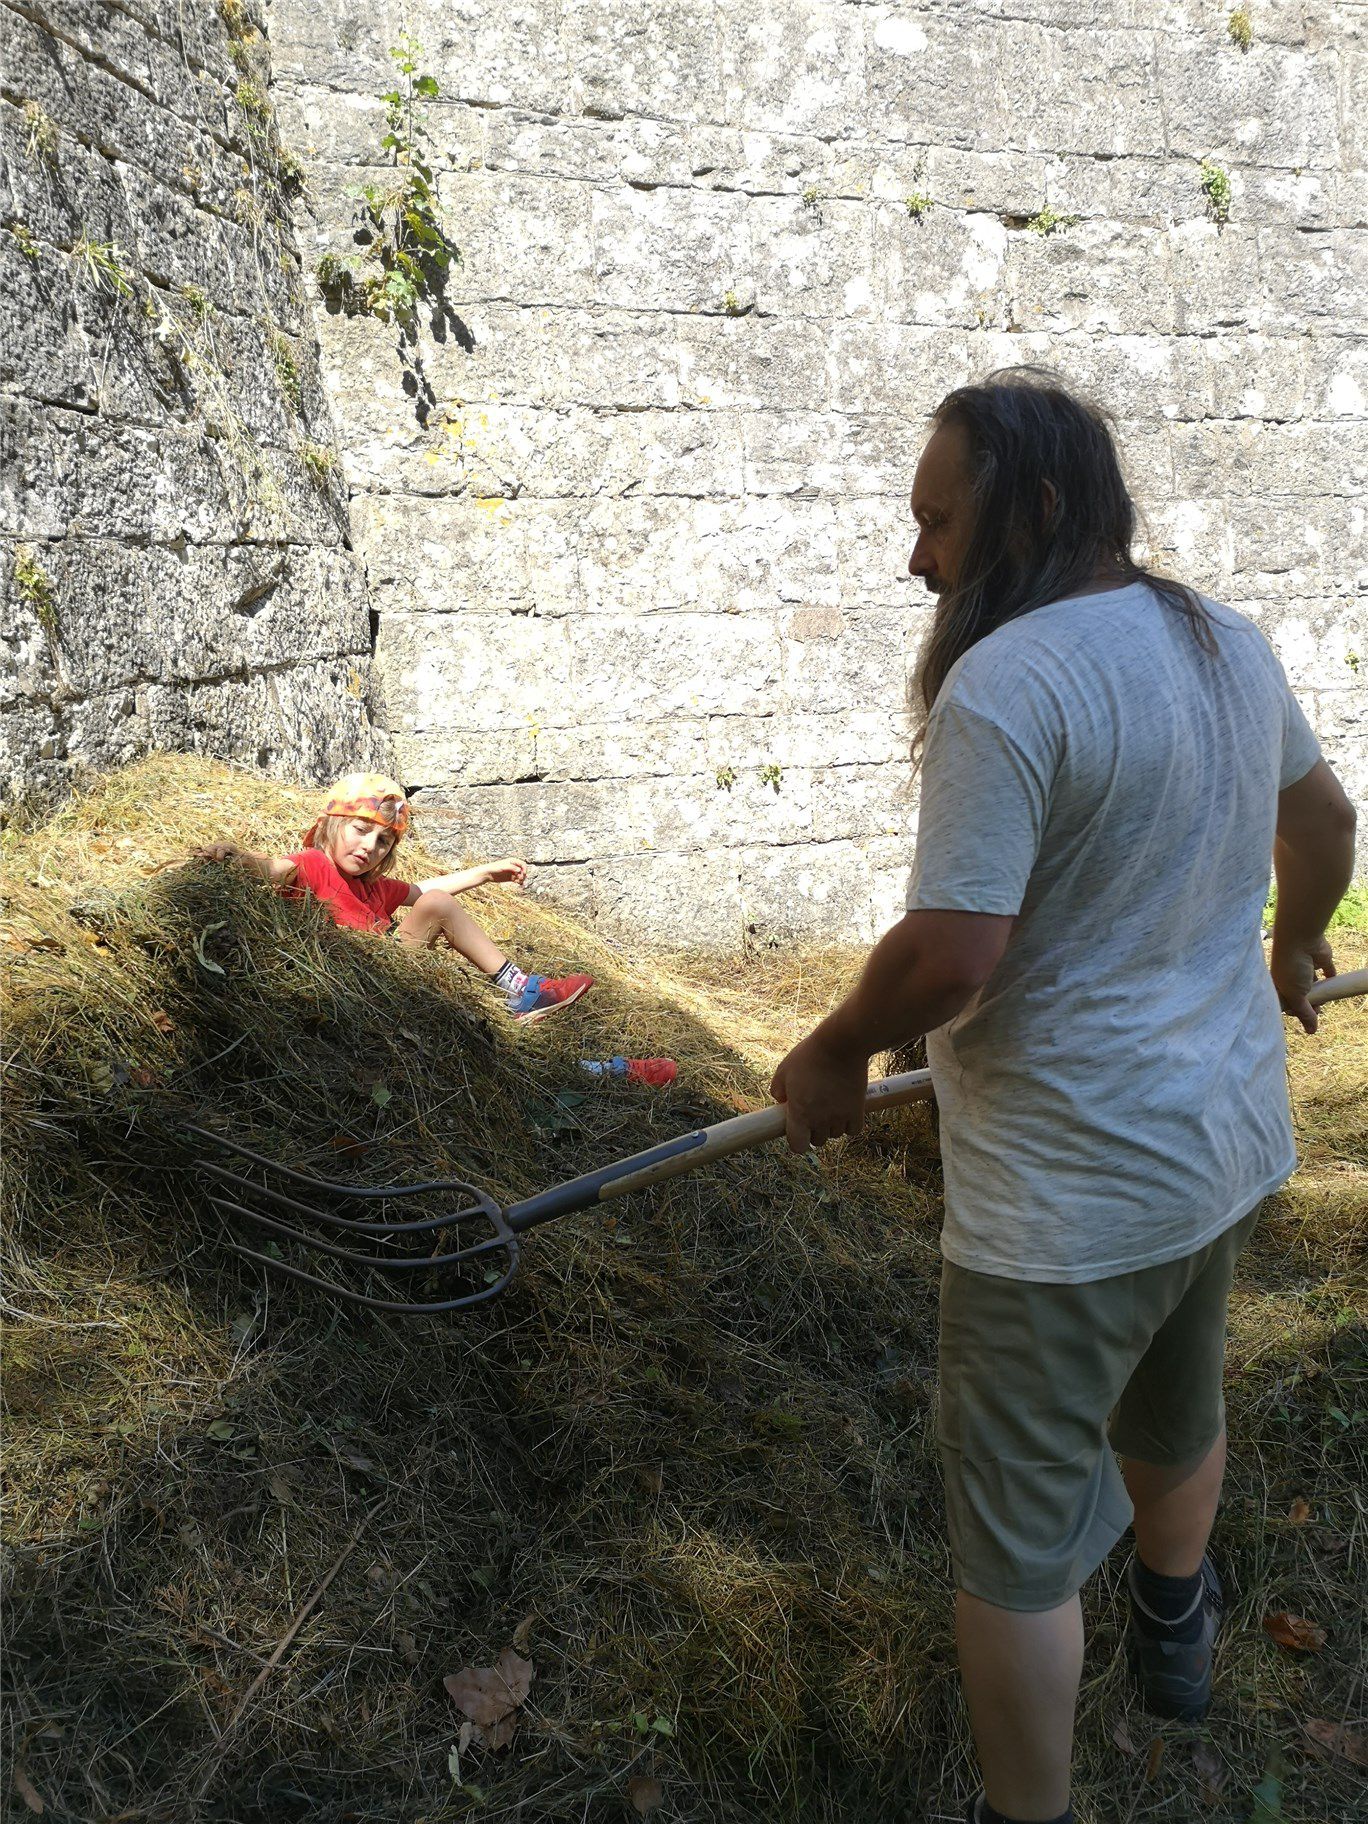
pixel 637 540
pixel 173 527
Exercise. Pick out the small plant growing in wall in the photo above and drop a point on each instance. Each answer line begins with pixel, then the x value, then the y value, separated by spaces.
pixel 1215 183
pixel 812 200
pixel 287 371
pixel 1049 221
pixel 732 304
pixel 23 239
pixel 726 778
pixel 1241 28
pixel 198 301
pixel 40 133
pixel 320 462
pixel 772 774
pixel 35 587
pixel 409 254
pixel 919 205
pixel 103 265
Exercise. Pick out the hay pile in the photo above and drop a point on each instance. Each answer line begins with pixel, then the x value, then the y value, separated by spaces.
pixel 686 1465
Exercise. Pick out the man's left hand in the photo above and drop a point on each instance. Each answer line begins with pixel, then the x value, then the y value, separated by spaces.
pixel 823 1091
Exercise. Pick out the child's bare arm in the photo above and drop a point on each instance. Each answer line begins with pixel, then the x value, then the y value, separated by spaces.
pixel 483 874
pixel 275 870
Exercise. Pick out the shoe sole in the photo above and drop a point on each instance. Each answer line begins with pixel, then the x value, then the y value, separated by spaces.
pixel 540 1013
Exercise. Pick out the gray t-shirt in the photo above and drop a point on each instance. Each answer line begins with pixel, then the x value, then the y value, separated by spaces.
pixel 1115 1094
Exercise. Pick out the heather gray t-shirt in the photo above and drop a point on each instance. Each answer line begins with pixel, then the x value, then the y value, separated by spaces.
pixel 1115 1094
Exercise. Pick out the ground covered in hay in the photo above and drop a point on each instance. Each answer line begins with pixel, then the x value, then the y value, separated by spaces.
pixel 685 1468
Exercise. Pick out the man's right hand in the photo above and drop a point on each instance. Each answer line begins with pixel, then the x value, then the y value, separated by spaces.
pixel 1294 975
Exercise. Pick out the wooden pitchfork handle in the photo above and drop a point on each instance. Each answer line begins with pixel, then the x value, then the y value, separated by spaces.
pixel 688 1151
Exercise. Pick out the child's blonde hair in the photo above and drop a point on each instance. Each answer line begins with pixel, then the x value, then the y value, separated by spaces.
pixel 364 798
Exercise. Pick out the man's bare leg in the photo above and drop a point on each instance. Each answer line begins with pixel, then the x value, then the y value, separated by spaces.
pixel 1175 1508
pixel 1021 1674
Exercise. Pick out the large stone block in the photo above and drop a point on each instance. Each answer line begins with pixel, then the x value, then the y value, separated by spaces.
pixel 496 672
pixel 1107 105
pixel 799 69
pixel 671 249
pixel 447 556
pixel 1274 106
pixel 686 664
pixel 1101 277
pixel 928 79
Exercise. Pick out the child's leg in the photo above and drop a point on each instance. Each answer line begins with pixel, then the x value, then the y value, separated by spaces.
pixel 436 915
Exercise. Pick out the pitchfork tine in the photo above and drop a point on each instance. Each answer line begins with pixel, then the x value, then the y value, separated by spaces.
pixel 396 1307
pixel 400 1263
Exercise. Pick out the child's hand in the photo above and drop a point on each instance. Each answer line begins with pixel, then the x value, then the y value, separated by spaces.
pixel 219 851
pixel 506 870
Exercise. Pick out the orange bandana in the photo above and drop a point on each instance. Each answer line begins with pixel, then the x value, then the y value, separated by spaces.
pixel 368 797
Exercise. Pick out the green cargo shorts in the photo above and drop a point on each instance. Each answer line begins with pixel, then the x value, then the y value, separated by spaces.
pixel 1041 1384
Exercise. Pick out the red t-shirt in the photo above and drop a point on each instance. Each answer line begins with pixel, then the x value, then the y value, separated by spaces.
pixel 366 904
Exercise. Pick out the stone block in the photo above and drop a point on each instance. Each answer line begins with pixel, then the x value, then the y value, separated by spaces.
pixel 1336 377
pixel 928 80
pixel 866 666
pixel 944 271
pixel 617 749
pixel 1105 108
pixel 831 454
pixel 1098 277
pixel 1275 106
pixel 444 757
pixel 521 239
pixel 447 556
pixel 37 474
pixel 686 664
pixel 43 350
pixel 497 672
pixel 77 192
pixel 797 69
pixel 816 740
pixel 664 62
pixel 852 803
pixel 671 249
pixel 755 363
pixel 1315 281
pixel 810 260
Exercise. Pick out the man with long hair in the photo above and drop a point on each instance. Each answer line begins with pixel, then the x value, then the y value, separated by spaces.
pixel 1108 763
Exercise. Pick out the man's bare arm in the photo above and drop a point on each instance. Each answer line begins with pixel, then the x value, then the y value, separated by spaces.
pixel 1313 860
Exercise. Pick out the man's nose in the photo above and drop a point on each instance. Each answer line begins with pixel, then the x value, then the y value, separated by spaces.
pixel 919 564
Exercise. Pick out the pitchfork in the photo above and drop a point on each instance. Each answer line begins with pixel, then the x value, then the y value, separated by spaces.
pixel 485 1232
pixel 497 1231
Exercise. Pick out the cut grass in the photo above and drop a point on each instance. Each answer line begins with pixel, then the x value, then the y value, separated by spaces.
pixel 694 1443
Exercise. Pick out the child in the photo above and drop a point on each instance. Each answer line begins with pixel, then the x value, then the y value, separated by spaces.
pixel 347 854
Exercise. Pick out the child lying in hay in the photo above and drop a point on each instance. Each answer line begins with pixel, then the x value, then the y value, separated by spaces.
pixel 345 857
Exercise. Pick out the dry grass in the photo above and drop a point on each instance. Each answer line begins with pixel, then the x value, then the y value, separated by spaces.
pixel 693 1444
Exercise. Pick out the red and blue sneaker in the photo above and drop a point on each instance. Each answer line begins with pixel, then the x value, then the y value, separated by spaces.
pixel 543 994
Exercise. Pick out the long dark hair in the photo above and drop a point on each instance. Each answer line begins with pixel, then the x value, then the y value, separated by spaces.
pixel 1024 430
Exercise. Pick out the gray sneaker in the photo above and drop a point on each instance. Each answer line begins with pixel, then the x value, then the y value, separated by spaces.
pixel 1175 1678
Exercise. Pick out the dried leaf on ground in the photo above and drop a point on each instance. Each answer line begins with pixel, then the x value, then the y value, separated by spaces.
pixel 1299 1512
pixel 487 1694
pixel 28 1792
pixel 1339 1739
pixel 522 1634
pixel 500 1735
pixel 163 1021
pixel 645 1793
pixel 1121 1735
pixel 1294 1632
pixel 1154 1760
pixel 348 1146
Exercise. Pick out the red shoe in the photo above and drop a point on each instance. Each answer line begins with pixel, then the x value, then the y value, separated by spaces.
pixel 542 995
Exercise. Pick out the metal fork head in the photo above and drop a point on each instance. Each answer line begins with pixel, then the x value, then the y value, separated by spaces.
pixel 303 1209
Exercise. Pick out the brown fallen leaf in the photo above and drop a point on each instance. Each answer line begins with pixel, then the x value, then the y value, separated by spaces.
pixel 28 1792
pixel 143 1078
pixel 522 1634
pixel 1154 1760
pixel 1294 1632
pixel 407 1648
pixel 163 1021
pixel 1121 1735
pixel 499 1735
pixel 349 1147
pixel 1299 1512
pixel 1338 1739
pixel 487 1694
pixel 645 1793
